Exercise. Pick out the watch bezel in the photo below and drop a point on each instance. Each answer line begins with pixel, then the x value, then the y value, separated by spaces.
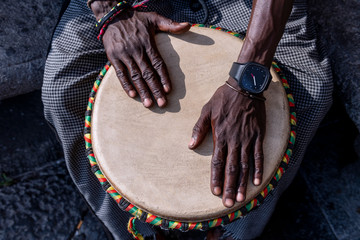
pixel 243 67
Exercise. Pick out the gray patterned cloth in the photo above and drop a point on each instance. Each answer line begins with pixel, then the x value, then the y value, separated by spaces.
pixel 76 57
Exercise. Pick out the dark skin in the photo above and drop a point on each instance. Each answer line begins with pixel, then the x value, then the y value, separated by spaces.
pixel 237 122
pixel 131 49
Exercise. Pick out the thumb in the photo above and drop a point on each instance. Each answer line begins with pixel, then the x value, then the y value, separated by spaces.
pixel 167 25
pixel 200 129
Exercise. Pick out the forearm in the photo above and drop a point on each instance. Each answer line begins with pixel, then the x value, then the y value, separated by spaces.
pixel 265 29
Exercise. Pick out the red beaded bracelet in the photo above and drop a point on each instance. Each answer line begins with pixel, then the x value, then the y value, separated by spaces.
pixel 103 23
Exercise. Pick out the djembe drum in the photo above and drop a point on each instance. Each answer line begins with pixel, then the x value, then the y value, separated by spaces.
pixel 140 156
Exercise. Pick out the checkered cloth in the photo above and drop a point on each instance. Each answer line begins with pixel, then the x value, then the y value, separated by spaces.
pixel 76 57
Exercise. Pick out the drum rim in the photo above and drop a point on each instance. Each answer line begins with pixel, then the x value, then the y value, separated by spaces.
pixel 184 226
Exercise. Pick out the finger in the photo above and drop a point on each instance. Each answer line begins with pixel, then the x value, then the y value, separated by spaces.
pixel 151 79
pixel 217 167
pixel 137 81
pixel 231 176
pixel 201 128
pixel 167 25
pixel 121 73
pixel 259 161
pixel 244 174
pixel 159 66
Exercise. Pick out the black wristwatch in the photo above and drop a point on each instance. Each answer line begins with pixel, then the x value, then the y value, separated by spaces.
pixel 251 77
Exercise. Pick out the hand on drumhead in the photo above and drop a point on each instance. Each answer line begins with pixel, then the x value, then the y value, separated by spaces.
pixel 130 47
pixel 238 127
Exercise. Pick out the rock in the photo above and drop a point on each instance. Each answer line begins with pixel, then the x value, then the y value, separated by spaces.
pixel 25 41
pixel 45 205
pixel 26 28
pixel 338 25
pixel 27 143
pixel 91 229
pixel 38 199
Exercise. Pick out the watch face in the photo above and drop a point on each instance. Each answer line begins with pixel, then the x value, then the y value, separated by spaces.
pixel 254 79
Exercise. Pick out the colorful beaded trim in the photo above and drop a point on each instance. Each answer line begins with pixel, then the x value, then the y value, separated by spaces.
pixel 185 226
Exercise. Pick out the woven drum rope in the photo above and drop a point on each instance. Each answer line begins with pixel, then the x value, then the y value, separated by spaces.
pixel 185 226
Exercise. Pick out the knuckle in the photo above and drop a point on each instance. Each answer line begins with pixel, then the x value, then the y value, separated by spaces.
pixel 216 180
pixel 143 93
pixel 148 75
pixel 156 92
pixel 244 165
pixel 230 191
pixel 135 76
pixel 150 50
pixel 196 128
pixel 232 169
pixel 258 171
pixel 217 163
pixel 158 63
pixel 236 143
pixel 126 86
pixel 170 21
pixel 120 74
pixel 243 184
pixel 259 156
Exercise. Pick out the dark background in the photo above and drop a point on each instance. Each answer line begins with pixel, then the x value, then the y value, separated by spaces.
pixel 39 201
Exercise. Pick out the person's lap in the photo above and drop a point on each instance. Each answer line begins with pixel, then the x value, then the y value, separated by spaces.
pixel 76 57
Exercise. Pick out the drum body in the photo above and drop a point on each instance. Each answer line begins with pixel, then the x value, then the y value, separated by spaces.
pixel 141 155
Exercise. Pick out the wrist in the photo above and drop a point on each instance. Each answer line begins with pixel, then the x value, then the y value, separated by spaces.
pixel 235 85
pixel 230 83
pixel 102 7
pixel 258 52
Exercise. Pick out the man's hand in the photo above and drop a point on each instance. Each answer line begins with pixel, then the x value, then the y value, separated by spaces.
pixel 238 127
pixel 130 47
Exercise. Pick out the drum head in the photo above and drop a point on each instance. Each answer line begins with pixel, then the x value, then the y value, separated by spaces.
pixel 144 153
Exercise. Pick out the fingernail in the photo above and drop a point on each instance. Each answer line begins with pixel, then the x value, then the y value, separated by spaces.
pixel 257 181
pixel 161 102
pixel 184 23
pixel 240 197
pixel 166 88
pixel 192 142
pixel 147 102
pixel 217 190
pixel 132 93
pixel 229 202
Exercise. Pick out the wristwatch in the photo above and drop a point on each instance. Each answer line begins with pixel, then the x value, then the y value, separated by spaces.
pixel 251 77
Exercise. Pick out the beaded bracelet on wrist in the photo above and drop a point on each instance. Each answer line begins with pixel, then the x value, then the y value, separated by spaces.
pixel 110 15
pixel 103 23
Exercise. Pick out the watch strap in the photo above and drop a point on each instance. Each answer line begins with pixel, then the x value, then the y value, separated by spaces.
pixel 236 71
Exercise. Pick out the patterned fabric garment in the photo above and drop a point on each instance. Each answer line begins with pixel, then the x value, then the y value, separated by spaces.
pixel 76 57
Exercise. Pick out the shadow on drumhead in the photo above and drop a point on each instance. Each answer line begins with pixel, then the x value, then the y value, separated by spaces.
pixel 206 147
pixel 177 76
pixel 172 60
pixel 195 38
